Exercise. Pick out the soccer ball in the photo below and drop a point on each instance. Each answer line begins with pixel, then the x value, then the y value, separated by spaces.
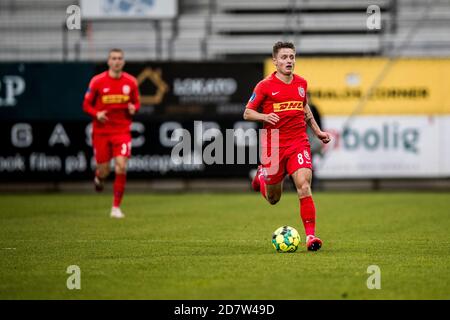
pixel 285 239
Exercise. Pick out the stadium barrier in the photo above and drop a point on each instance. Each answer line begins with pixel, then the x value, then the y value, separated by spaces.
pixel 47 136
pixel 400 133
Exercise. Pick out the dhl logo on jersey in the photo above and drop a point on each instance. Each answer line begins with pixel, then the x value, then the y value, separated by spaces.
pixel 287 106
pixel 115 98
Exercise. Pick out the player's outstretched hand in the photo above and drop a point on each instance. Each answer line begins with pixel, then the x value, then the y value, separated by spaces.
pixel 271 118
pixel 101 116
pixel 324 136
pixel 131 109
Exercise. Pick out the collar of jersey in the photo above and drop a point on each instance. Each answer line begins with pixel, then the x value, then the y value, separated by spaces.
pixel 274 77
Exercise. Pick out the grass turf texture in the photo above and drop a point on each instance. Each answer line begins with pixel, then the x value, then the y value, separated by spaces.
pixel 218 246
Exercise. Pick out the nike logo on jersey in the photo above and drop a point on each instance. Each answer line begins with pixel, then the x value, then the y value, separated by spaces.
pixel 274 93
pixel 105 90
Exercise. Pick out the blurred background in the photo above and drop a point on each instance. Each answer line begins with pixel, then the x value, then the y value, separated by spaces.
pixel 378 74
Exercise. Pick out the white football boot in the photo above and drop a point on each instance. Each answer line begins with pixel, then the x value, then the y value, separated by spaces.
pixel 117 213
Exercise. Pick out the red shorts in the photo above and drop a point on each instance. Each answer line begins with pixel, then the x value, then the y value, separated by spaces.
pixel 290 159
pixel 109 146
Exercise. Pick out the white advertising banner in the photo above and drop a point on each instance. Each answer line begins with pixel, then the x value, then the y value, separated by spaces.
pixel 129 9
pixel 386 147
pixel 445 144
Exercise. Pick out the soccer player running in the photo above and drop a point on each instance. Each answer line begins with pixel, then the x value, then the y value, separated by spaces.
pixel 280 102
pixel 111 100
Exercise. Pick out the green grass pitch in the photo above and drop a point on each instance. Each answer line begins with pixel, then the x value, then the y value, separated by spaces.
pixel 217 246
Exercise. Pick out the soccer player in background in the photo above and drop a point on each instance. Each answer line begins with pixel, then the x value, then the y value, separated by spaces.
pixel 111 100
pixel 280 102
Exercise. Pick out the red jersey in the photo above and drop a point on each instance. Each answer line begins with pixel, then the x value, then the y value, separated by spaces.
pixel 113 95
pixel 287 101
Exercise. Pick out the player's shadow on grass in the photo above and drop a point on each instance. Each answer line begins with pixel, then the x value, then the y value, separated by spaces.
pixel 257 248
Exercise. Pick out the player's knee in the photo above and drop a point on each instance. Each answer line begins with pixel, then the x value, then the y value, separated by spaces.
pixel 103 172
pixel 304 190
pixel 121 168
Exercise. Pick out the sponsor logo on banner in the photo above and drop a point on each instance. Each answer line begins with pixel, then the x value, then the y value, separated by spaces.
pixel 412 86
pixel 194 89
pixel 204 90
pixel 11 87
pixel 384 147
pixel 128 8
pixel 154 77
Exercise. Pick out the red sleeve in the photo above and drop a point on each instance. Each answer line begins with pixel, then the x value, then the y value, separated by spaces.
pixel 135 98
pixel 257 97
pixel 89 99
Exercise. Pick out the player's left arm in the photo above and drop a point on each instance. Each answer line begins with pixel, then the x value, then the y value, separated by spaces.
pixel 135 101
pixel 309 118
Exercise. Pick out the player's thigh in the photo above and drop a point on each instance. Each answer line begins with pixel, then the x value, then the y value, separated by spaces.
pixel 102 149
pixel 298 157
pixel 299 167
pixel 103 168
pixel 121 145
pixel 302 179
pixel 274 167
pixel 120 164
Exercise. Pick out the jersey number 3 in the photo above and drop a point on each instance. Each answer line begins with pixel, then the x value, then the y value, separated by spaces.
pixel 125 148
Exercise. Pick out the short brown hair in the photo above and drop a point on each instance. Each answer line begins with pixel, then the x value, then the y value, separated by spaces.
pixel 115 50
pixel 280 45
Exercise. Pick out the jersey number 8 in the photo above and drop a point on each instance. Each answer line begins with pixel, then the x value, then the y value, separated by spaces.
pixel 300 158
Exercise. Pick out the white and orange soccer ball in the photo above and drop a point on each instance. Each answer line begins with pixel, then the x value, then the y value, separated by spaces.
pixel 285 239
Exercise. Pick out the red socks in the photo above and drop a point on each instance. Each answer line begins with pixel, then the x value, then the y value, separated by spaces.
pixel 119 188
pixel 308 215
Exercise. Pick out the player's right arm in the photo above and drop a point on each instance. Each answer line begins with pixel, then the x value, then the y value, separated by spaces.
pixel 89 101
pixel 251 113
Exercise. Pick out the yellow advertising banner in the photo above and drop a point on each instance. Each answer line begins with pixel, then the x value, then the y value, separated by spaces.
pixel 340 86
